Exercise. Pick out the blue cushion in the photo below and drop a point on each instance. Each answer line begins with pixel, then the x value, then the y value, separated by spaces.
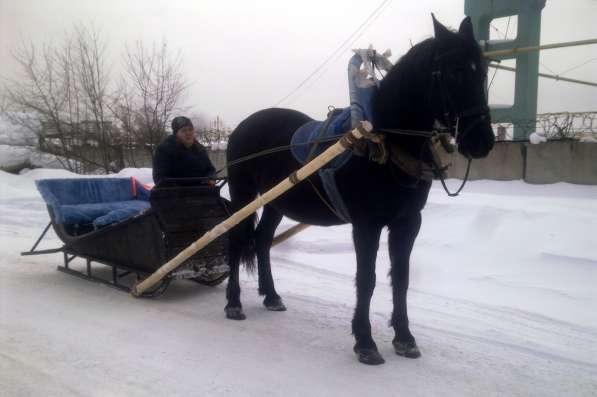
pixel 87 213
pixel 302 140
pixel 81 200
pixel 85 190
pixel 115 216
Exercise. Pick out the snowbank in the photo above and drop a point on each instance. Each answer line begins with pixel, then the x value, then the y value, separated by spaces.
pixel 15 135
pixel 17 157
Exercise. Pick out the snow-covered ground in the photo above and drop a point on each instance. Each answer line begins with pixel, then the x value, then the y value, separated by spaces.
pixel 502 302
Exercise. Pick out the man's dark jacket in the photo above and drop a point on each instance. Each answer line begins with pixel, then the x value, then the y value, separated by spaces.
pixel 173 160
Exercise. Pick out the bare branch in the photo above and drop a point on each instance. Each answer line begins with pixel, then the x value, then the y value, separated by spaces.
pixel 150 91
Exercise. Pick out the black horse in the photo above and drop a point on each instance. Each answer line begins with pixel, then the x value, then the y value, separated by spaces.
pixel 440 79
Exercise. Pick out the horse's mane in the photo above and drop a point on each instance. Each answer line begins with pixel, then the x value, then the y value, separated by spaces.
pixel 404 87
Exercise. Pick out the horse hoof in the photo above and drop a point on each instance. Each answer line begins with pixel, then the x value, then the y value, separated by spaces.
pixel 275 306
pixel 235 313
pixel 369 356
pixel 406 349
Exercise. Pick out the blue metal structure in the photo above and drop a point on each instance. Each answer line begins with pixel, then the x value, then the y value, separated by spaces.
pixel 482 12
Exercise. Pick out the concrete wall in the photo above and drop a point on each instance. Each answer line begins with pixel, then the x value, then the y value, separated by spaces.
pixel 550 162
pixel 504 163
pixel 564 161
pixel 561 161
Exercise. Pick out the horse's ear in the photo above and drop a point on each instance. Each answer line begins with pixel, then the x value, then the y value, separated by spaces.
pixel 440 31
pixel 466 28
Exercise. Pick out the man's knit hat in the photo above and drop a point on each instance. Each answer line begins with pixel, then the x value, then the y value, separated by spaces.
pixel 180 122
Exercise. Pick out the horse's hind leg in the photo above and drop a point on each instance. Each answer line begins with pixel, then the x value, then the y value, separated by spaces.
pixel 241 245
pixel 233 309
pixel 264 234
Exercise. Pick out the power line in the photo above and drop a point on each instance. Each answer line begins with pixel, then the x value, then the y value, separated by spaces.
pixel 578 66
pixel 541 63
pixel 341 53
pixel 505 38
pixel 335 52
pixel 548 69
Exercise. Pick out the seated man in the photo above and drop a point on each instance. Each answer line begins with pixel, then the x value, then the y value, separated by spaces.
pixel 180 155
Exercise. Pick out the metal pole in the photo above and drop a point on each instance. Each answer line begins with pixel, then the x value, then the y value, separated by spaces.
pixel 296 229
pixel 364 129
pixel 549 76
pixel 521 50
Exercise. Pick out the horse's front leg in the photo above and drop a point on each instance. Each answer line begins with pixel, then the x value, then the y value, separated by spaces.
pixel 366 242
pixel 403 232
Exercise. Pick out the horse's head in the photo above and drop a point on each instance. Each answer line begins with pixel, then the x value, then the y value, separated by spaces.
pixel 458 98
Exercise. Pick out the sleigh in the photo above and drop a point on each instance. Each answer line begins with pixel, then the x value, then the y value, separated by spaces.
pixel 116 232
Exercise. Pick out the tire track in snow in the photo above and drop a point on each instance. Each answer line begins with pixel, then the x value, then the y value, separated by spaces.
pixel 560 341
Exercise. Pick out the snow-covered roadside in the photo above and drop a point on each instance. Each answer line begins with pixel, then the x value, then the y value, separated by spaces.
pixel 502 303
pixel 18 149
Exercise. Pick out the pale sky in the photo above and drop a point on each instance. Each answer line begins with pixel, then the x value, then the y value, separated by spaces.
pixel 242 56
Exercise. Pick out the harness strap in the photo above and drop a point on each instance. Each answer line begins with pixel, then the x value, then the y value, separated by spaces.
pixel 409 164
pixel 418 168
pixel 324 127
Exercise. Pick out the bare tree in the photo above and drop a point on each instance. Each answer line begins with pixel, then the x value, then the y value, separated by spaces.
pixel 150 91
pixel 61 96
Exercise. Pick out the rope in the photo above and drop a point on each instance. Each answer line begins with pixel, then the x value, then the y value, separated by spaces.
pixel 273 150
pixel 277 149
pixel 423 134
pixel 407 132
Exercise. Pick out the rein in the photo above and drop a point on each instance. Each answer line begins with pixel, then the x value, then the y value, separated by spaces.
pixel 424 134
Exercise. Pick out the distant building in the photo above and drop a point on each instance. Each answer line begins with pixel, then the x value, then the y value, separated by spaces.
pixel 78 134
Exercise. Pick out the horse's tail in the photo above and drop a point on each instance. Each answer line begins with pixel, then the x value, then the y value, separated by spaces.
pixel 242 236
pixel 246 242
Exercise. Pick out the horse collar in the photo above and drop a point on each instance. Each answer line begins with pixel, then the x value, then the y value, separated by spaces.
pixel 417 167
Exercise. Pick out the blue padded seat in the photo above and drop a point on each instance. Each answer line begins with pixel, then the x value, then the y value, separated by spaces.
pixel 100 201
pixel 87 213
pixel 117 215
pixel 306 135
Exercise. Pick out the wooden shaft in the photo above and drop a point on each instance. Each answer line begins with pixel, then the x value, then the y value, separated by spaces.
pixel 549 76
pixel 521 50
pixel 296 229
pixel 333 151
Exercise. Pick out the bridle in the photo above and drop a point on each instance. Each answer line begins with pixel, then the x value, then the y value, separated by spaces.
pixel 450 114
pixel 450 117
